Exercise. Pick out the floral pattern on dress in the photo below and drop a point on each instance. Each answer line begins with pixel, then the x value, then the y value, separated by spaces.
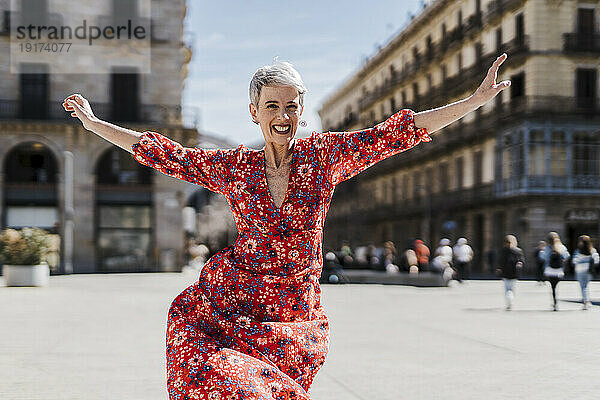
pixel 252 326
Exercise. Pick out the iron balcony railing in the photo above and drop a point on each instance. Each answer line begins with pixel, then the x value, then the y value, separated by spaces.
pixel 14 19
pixel 579 42
pixel 496 8
pixel 451 86
pixel 145 113
pixel 565 184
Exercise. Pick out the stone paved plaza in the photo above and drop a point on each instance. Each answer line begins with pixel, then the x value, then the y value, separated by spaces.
pixel 102 337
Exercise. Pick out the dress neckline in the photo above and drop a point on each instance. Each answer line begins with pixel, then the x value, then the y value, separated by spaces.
pixel 289 181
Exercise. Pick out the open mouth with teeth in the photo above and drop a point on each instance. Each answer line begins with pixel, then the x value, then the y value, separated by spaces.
pixel 282 129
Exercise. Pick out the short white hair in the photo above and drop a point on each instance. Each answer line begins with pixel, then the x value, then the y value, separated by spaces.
pixel 280 73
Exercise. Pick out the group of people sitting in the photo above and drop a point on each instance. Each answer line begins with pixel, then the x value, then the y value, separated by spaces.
pixel 451 261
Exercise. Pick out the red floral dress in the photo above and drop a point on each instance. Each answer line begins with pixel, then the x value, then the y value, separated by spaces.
pixel 252 326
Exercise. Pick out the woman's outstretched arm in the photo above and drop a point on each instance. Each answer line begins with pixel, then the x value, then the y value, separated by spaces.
pixel 119 136
pixel 437 118
pixel 209 168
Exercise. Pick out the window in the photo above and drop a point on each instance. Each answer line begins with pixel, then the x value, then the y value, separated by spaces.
pixel 444 178
pixel 478 51
pixel 519 29
pixel 415 87
pixel 586 154
pixel 417 185
pixel 124 238
pixel 116 167
pixel 392 105
pixel 517 86
pixel 512 156
pixel 429 182
pixel 34 92
pixel 537 153
pixel 124 10
pixel 585 28
pixel 477 167
pixel 586 83
pixel 125 94
pixel 498 39
pixel 429 47
pixel 34 12
pixel 31 162
pixel 459 171
pixel 429 82
pixel 444 73
pixel 416 57
pixel 558 154
pixel 460 61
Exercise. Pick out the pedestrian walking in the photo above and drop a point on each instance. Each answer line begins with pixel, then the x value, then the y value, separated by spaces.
pixel 253 326
pixel 509 265
pixel 555 256
pixel 539 262
pixel 462 255
pixel 585 260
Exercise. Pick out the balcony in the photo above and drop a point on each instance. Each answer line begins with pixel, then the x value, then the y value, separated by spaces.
pixel 486 125
pixel 146 113
pixel 454 86
pixel 579 42
pixel 540 105
pixel 560 184
pixel 14 19
pixel 440 202
pixel 474 23
pixel 497 8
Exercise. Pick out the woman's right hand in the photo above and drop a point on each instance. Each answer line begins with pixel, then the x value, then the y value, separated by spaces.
pixel 80 108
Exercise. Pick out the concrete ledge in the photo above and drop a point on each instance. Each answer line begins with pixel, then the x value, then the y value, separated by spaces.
pixel 423 279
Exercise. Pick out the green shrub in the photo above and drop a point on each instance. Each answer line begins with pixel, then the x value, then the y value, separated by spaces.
pixel 23 247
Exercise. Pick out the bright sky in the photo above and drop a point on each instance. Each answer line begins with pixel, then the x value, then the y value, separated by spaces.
pixel 326 41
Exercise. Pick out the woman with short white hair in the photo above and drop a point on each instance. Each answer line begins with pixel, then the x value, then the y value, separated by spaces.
pixel 253 326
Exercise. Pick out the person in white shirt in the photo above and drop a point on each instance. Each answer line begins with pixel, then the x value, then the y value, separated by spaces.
pixel 463 254
pixel 585 258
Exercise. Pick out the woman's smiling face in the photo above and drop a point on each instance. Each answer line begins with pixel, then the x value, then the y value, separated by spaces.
pixel 278 113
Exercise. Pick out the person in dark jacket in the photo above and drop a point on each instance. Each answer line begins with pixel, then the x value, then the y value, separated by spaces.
pixel 539 262
pixel 509 265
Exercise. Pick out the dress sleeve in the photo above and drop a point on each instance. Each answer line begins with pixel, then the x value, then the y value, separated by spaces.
pixel 209 168
pixel 346 154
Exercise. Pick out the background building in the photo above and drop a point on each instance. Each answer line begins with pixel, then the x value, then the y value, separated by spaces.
pixel 526 163
pixel 111 213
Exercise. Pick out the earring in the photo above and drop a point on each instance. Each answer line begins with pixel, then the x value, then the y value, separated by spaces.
pixel 302 123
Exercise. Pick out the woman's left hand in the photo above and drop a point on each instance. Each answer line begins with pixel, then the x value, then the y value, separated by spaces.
pixel 488 88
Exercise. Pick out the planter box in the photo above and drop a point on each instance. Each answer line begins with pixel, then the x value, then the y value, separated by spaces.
pixel 26 275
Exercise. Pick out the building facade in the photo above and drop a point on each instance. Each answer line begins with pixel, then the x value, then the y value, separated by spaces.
pixel 526 163
pixel 110 213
